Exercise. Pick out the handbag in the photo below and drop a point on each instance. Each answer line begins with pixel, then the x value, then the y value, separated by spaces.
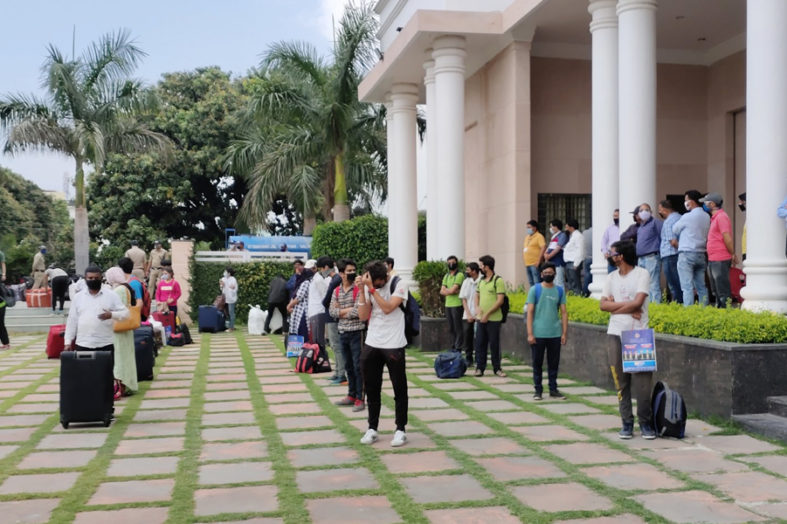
pixel 133 321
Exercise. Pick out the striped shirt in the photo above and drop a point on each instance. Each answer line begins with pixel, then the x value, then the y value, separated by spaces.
pixel 666 249
pixel 346 299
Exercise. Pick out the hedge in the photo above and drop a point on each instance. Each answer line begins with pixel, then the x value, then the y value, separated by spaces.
pixel 429 275
pixel 362 239
pixel 253 284
pixel 725 325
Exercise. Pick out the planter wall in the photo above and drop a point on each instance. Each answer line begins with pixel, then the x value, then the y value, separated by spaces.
pixel 435 335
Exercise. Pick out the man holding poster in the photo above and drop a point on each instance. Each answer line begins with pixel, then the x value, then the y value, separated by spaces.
pixel 625 297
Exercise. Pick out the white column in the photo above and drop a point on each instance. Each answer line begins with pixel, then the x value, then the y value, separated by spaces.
pixel 766 156
pixel 637 105
pixel 604 31
pixel 402 197
pixel 432 185
pixel 449 79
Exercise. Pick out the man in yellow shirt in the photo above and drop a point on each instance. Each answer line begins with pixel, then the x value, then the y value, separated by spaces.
pixel 533 252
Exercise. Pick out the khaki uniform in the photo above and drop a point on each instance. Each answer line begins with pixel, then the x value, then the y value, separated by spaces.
pixel 156 256
pixel 39 268
pixel 138 257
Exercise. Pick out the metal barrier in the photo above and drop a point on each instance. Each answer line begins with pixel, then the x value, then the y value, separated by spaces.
pixel 248 256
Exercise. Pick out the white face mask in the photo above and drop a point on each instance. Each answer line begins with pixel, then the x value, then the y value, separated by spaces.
pixel 165 277
pixel 226 274
pixel 644 215
pixel 686 204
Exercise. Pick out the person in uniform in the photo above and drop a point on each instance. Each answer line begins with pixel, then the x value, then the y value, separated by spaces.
pixel 139 259
pixel 39 269
pixel 157 255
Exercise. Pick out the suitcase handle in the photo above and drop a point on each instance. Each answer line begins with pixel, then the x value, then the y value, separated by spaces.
pixel 85 355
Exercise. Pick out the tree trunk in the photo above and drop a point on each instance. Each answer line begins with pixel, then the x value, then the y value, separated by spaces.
pixel 341 210
pixel 309 223
pixel 81 233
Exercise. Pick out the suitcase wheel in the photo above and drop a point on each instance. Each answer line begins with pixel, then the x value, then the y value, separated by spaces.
pixel 64 423
pixel 107 420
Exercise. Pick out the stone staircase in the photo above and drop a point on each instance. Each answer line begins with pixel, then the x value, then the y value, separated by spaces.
pixel 21 318
pixel 772 424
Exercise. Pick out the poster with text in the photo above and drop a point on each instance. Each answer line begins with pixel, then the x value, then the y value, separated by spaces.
pixel 639 350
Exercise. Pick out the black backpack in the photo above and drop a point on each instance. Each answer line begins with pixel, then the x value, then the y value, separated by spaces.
pixel 505 307
pixel 669 411
pixel 412 313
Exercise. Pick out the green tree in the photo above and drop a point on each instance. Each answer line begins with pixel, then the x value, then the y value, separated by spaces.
pixel 309 137
pixel 142 197
pixel 89 111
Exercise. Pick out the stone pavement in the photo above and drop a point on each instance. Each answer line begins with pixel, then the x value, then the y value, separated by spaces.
pixel 228 433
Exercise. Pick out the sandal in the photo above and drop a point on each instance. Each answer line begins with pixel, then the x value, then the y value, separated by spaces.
pixel 118 390
pixel 500 373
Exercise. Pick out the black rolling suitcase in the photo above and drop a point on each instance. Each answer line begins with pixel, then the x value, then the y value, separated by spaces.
pixel 210 319
pixel 86 382
pixel 144 348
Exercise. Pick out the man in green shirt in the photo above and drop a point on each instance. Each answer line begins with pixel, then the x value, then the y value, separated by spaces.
pixel 547 325
pixel 489 298
pixel 452 283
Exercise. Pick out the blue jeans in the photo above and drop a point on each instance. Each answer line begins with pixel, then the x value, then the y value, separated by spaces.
pixel 720 281
pixel 488 335
pixel 670 265
pixel 653 264
pixel 691 271
pixel 533 276
pixel 231 308
pixel 350 344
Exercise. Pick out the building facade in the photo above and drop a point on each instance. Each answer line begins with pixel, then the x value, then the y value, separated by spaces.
pixel 572 108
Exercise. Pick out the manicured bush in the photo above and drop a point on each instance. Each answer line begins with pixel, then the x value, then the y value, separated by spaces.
pixel 253 284
pixel 725 325
pixel 429 275
pixel 362 239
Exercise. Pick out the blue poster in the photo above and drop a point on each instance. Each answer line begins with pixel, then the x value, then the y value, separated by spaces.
pixel 639 350
pixel 294 345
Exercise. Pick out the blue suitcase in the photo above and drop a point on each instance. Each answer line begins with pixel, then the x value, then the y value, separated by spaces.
pixel 210 319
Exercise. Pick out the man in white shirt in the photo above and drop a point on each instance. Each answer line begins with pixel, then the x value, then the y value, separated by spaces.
pixel 315 311
pixel 574 255
pixel 58 281
pixel 467 294
pixel 91 318
pixel 384 346
pixel 625 297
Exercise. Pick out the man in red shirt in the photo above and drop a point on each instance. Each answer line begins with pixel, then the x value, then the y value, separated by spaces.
pixel 721 251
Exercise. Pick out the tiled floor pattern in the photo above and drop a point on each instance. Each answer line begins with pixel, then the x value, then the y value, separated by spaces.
pixel 255 446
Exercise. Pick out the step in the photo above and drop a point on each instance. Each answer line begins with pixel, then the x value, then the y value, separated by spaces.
pixel 765 424
pixel 778 405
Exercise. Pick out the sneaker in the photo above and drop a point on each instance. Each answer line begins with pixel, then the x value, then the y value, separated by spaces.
pixel 537 396
pixel 627 431
pixel 336 381
pixel 557 394
pixel 370 437
pixel 647 431
pixel 479 373
pixel 346 401
pixel 500 373
pixel 359 406
pixel 5 346
pixel 399 438
pixel 343 382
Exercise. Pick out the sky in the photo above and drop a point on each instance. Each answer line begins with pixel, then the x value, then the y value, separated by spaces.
pixel 177 35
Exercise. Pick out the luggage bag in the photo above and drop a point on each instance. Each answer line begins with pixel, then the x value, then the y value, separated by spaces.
pixel 167 318
pixel 144 351
pixel 55 341
pixel 210 319
pixel 86 383
pixel 41 297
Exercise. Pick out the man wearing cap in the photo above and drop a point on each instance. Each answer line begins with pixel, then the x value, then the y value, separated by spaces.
pixel 630 233
pixel 721 250
pixel 648 249
pixel 691 232
pixel 153 269
pixel 39 268
pixel 139 258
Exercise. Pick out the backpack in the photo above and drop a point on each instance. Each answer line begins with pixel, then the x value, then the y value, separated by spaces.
pixel 505 307
pixel 145 312
pixel 412 313
pixel 7 295
pixel 669 411
pixel 313 359
pixel 450 364
pixel 537 289
pixel 176 339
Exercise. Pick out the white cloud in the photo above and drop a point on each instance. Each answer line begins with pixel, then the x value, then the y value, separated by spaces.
pixel 331 12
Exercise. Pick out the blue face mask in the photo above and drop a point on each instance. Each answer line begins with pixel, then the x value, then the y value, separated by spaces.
pixel 43 251
pixel 706 208
pixel 530 231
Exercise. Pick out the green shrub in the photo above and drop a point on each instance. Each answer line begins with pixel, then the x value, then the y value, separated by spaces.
pixel 725 325
pixel 429 275
pixel 253 284
pixel 362 239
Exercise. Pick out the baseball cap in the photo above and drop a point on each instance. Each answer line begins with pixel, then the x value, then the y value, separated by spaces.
pixel 636 210
pixel 712 197
pixel 310 264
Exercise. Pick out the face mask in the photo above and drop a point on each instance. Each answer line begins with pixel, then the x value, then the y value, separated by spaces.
pixel 93 285
pixel 43 251
pixel 325 272
pixel 226 274
pixel 742 207
pixel 164 276
pixel 351 277
pixel 686 205
pixel 452 266
pixel 706 208
pixel 644 215
pixel 529 231
pixel 548 278
pixel 616 220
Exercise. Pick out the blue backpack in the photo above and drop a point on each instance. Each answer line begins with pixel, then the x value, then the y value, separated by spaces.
pixel 537 289
pixel 450 364
pixel 412 313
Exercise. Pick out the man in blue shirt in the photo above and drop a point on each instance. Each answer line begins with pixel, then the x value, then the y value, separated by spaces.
pixel 648 245
pixel 692 236
pixel 669 253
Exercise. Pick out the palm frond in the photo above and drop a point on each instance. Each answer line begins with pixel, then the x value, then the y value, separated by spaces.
pixel 356 48
pixel 298 58
pixel 114 56
pixel 20 107
pixel 38 134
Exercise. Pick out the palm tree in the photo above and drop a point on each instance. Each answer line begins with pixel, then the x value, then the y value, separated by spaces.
pixel 309 137
pixel 88 112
